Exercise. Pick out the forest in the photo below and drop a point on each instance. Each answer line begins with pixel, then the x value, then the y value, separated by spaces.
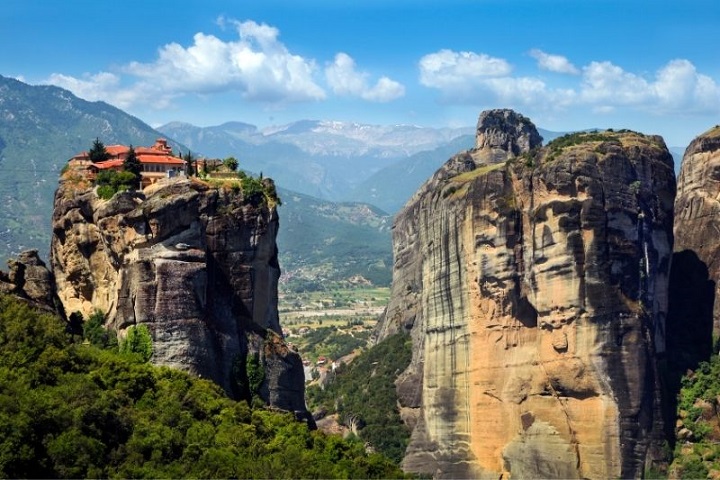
pixel 77 406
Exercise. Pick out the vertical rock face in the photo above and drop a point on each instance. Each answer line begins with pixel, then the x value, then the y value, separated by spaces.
pixel 535 291
pixel 697 218
pixel 197 265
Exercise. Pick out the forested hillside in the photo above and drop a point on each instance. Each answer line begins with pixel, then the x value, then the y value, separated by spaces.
pixel 74 407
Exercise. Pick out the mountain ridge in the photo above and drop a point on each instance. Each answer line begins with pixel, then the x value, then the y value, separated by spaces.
pixel 41 127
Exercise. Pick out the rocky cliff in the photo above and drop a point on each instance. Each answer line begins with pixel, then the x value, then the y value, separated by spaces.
pixel 697 217
pixel 196 264
pixel 533 281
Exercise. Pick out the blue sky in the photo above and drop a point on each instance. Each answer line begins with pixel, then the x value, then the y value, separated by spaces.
pixel 650 65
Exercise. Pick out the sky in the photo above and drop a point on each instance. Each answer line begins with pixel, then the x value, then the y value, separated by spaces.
pixel 648 65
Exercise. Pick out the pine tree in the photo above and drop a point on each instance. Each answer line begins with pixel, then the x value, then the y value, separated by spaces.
pixel 98 153
pixel 132 164
pixel 189 159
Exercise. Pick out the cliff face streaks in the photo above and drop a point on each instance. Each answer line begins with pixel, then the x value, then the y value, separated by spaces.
pixel 197 265
pixel 533 282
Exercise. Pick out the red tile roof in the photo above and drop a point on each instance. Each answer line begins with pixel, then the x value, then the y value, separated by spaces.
pixel 109 164
pixel 164 159
pixel 160 153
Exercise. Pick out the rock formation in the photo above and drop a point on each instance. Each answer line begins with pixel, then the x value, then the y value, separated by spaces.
pixel 697 210
pixel 197 265
pixel 29 279
pixel 533 282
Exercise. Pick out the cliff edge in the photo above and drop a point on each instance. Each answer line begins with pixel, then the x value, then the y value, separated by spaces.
pixel 533 282
pixel 194 263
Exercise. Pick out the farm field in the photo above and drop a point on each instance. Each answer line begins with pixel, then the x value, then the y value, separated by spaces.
pixel 333 323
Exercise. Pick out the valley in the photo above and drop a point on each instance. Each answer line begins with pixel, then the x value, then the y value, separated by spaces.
pixel 334 322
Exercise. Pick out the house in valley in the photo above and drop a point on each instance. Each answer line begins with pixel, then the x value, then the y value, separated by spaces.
pixel 157 161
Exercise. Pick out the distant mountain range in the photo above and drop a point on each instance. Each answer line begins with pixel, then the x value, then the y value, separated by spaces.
pixel 337 161
pixel 41 127
pixel 328 160
pixel 320 166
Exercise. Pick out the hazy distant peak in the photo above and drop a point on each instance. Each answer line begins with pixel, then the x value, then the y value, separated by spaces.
pixel 239 127
pixel 301 126
pixel 177 124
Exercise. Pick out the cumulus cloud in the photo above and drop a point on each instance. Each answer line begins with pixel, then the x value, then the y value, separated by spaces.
pixel 344 79
pixel 448 69
pixel 464 77
pixel 677 87
pixel 553 63
pixel 257 64
pixel 483 79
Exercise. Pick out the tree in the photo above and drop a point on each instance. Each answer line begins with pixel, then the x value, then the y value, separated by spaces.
pixel 231 163
pixel 132 164
pixel 139 341
pixel 189 160
pixel 98 153
pixel 95 332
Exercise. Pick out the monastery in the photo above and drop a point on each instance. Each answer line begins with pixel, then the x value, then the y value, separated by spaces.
pixel 157 161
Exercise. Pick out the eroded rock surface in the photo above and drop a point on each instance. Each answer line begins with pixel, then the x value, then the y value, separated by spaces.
pixel 535 291
pixel 197 265
pixel 29 279
pixel 697 209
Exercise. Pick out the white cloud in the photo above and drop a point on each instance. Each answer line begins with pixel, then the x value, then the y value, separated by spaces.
pixel 344 79
pixel 677 87
pixel 107 87
pixel 604 83
pixel 553 63
pixel 257 65
pixel 384 90
pixel 479 79
pixel 90 87
pixel 447 69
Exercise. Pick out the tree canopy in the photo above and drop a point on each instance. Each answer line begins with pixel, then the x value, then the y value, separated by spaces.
pixel 97 152
pixel 231 163
pixel 69 409
pixel 132 163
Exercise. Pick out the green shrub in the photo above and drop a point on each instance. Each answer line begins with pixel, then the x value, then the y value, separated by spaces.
pixel 138 341
pixel 110 182
pixel 231 163
pixel 106 192
pixel 94 331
